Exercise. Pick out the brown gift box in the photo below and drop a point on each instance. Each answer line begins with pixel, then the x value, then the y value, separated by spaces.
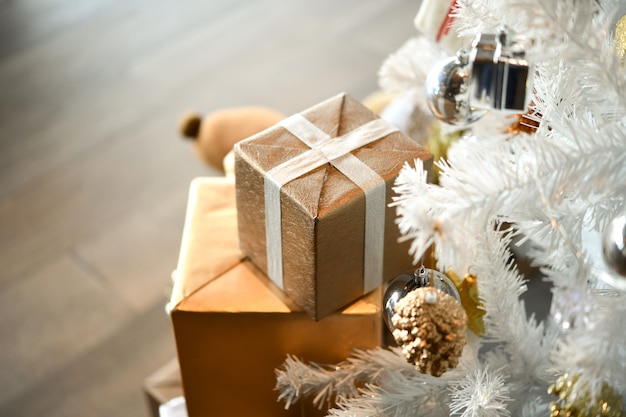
pixel 321 212
pixel 234 327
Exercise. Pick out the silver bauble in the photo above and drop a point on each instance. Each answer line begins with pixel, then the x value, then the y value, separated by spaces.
pixel 407 282
pixel 447 91
pixel 614 251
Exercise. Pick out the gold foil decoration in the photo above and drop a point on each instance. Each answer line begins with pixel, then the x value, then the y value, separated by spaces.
pixel 438 143
pixel 580 403
pixel 468 290
pixel 619 41
pixel 430 327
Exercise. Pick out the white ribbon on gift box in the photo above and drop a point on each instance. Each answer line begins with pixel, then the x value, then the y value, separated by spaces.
pixel 336 151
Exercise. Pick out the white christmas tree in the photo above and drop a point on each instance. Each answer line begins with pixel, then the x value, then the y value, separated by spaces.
pixel 555 188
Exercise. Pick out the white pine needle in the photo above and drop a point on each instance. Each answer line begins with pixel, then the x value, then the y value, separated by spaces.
pixel 481 393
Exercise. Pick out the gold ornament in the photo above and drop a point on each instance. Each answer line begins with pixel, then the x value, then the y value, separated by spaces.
pixel 619 41
pixel 438 143
pixel 430 327
pixel 468 290
pixel 581 403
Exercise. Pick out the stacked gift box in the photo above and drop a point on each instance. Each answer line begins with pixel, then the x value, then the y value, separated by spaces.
pixel 290 259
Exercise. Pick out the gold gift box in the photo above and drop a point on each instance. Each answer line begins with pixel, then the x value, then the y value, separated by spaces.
pixel 322 213
pixel 234 327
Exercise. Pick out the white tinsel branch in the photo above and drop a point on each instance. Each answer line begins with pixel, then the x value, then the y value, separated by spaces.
pixel 393 387
pixel 480 394
pixel 526 342
pixel 407 68
pixel 400 396
pixel 564 28
pixel 297 380
pixel 592 344
pixel 408 393
pixel 405 71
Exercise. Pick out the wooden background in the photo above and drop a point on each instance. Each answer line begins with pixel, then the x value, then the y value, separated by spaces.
pixel 94 178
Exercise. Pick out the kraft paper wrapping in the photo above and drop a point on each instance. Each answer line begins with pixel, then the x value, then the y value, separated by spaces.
pixel 233 327
pixel 322 212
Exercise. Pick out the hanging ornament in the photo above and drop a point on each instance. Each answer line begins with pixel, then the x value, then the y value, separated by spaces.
pixel 428 323
pixel 447 91
pixel 575 401
pixel 614 251
pixel 434 20
pixel 493 75
pixel 468 290
pixel 407 282
pixel 500 76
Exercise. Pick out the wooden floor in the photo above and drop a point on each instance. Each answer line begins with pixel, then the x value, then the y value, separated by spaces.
pixel 94 178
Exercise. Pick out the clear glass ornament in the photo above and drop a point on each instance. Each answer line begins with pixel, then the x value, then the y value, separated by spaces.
pixel 570 309
pixel 407 282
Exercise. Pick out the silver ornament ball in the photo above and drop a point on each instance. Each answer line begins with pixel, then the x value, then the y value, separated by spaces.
pixel 447 91
pixel 407 282
pixel 614 251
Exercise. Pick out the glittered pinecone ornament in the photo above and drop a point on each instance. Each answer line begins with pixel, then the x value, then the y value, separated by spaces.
pixel 409 281
pixel 430 327
pixel 576 401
